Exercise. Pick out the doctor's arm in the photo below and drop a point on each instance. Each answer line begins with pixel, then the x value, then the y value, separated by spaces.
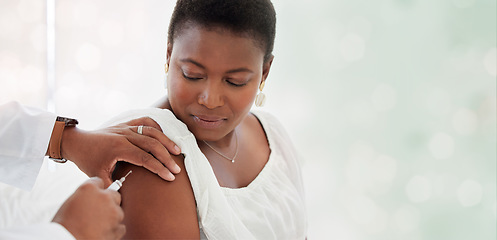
pixel 91 212
pixel 97 152
pixel 25 134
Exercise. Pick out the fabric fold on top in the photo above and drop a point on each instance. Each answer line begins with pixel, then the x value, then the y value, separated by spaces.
pixel 217 218
pixel 272 206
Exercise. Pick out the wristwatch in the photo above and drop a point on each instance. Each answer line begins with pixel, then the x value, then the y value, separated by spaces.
pixel 54 145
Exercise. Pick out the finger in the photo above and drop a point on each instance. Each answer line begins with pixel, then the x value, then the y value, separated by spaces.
pixel 138 157
pixel 151 145
pixel 96 181
pixel 115 196
pixel 155 131
pixel 119 231
pixel 162 138
pixel 120 214
pixel 146 121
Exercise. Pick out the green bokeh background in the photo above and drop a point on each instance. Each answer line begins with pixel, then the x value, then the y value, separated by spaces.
pixel 392 104
pixel 414 81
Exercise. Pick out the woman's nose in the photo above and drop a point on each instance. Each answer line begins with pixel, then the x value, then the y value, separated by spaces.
pixel 211 96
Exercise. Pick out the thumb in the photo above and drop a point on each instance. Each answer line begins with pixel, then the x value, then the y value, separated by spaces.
pixel 96 181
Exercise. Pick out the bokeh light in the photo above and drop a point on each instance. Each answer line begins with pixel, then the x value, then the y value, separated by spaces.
pixel 469 193
pixel 419 189
pixel 392 104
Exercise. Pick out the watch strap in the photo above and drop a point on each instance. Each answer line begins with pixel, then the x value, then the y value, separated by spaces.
pixel 54 145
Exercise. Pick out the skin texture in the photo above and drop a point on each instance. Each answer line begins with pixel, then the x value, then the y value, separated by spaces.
pixel 213 59
pixel 157 209
pixel 92 212
pixel 216 59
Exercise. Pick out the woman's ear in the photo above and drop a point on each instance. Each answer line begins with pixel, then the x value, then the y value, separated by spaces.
pixel 266 67
pixel 169 50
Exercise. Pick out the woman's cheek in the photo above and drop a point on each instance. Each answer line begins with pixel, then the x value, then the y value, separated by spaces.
pixel 184 93
pixel 246 99
pixel 180 92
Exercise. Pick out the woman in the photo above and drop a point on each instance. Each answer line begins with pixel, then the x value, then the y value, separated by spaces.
pixel 242 178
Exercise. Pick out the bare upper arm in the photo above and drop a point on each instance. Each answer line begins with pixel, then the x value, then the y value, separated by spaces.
pixel 155 208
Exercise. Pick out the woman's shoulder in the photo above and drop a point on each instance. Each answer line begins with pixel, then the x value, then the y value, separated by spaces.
pixel 266 119
pixel 155 208
pixel 278 137
pixel 271 124
pixel 260 114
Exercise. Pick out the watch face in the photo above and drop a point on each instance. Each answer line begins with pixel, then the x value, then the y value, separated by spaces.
pixel 69 122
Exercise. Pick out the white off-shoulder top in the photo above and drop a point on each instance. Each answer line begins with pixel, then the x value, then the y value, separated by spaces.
pixel 271 207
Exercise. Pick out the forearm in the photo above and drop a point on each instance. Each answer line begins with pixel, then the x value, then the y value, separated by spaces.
pixel 74 144
pixel 91 151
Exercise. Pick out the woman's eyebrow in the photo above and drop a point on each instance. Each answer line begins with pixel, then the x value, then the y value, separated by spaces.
pixel 240 70
pixel 189 60
pixel 236 70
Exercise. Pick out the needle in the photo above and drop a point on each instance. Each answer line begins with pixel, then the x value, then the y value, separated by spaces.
pixel 116 185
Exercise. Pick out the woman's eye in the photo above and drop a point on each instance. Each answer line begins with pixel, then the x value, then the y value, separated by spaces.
pixel 234 83
pixel 191 78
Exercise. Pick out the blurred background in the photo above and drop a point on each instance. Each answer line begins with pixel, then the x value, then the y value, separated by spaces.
pixel 392 103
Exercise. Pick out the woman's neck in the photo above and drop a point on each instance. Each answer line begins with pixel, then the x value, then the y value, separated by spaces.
pixel 227 142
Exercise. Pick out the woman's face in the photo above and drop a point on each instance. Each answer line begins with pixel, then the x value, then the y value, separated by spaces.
pixel 213 78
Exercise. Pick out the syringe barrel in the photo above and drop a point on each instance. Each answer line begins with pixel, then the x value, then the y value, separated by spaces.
pixel 116 185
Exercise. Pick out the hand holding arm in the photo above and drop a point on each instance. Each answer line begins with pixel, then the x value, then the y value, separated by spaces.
pixel 97 152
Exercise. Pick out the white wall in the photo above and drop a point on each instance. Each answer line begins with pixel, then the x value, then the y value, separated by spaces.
pixel 392 103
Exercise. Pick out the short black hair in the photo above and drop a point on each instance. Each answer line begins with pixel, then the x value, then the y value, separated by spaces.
pixel 256 18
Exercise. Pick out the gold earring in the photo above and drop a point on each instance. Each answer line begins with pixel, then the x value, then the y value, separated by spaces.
pixel 166 69
pixel 260 99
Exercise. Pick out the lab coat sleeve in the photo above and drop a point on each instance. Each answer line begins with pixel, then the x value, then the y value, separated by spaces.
pixel 24 136
pixel 45 231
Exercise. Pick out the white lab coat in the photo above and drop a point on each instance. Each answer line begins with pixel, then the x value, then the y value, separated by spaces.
pixel 24 136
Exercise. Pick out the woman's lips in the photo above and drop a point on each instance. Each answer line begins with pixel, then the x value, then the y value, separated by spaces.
pixel 208 121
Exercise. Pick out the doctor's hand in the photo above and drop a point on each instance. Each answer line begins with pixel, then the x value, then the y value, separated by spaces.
pixel 97 152
pixel 92 212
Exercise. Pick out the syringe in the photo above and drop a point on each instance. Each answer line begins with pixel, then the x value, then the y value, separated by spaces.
pixel 116 185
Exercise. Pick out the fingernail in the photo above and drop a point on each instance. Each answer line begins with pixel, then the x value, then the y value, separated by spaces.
pixel 170 177
pixel 176 148
pixel 176 169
